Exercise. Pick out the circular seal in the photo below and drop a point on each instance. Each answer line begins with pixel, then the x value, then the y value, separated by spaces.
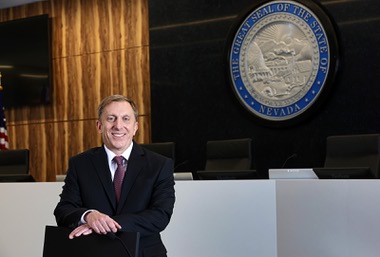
pixel 280 59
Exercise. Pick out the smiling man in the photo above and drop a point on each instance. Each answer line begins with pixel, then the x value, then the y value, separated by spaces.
pixel 119 186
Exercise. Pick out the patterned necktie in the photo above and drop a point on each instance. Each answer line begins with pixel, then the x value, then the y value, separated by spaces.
pixel 119 176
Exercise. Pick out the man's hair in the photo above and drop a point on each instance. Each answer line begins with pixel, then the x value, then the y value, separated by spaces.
pixel 116 98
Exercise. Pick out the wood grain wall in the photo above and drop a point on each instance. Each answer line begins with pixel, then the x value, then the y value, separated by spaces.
pixel 99 48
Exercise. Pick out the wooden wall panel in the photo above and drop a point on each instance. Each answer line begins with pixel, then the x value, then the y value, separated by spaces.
pixel 98 48
pixel 137 75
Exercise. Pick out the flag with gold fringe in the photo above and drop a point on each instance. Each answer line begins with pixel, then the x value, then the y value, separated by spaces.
pixel 3 126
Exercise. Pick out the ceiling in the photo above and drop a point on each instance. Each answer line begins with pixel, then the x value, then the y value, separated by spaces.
pixel 11 3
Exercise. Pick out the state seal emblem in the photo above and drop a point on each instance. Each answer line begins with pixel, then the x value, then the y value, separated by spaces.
pixel 280 57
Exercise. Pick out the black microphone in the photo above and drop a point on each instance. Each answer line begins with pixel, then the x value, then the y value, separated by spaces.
pixel 180 164
pixel 113 236
pixel 287 159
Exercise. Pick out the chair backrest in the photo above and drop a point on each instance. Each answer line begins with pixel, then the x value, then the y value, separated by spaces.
pixel 14 161
pixel 232 154
pixel 361 150
pixel 164 148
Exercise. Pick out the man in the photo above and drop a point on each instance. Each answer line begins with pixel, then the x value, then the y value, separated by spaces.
pixel 89 202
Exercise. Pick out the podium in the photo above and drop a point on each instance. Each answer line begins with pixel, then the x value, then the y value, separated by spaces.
pixel 58 244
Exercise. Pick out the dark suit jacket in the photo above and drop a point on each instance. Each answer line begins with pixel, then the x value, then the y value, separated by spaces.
pixel 146 202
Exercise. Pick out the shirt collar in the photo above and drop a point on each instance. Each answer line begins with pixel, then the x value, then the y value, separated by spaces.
pixel 125 154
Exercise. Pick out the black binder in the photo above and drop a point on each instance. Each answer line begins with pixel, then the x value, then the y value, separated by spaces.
pixel 58 244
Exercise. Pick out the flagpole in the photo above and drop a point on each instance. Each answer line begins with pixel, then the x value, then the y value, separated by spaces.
pixel 4 145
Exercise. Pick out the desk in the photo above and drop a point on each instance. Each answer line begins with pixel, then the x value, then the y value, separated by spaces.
pixel 263 218
pixel 223 218
pixel 329 218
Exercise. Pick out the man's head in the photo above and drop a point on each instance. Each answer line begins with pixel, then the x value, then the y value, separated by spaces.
pixel 117 122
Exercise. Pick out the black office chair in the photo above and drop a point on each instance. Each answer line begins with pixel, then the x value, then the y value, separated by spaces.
pixel 354 151
pixel 14 162
pixel 232 154
pixel 164 148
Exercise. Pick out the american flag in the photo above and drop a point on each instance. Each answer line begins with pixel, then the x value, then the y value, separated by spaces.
pixel 3 126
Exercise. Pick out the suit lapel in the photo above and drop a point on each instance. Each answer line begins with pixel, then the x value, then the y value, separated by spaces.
pixel 100 162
